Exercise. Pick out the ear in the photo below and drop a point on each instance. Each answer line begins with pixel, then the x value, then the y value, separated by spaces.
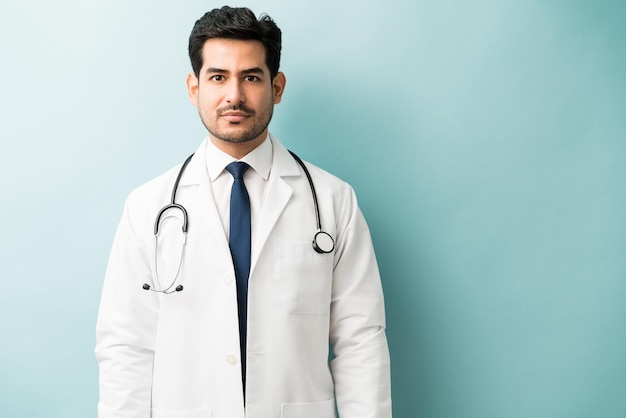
pixel 192 88
pixel 278 86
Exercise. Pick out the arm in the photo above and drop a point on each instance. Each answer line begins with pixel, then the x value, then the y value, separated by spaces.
pixel 126 328
pixel 361 367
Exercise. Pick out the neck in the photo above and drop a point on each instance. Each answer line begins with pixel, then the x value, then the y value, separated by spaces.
pixel 238 150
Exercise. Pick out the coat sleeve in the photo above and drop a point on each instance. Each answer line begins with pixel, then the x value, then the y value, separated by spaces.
pixel 361 364
pixel 126 327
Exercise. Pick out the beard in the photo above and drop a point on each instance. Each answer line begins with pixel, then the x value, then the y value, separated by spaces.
pixel 257 124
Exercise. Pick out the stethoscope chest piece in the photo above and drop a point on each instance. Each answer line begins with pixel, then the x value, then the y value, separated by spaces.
pixel 323 243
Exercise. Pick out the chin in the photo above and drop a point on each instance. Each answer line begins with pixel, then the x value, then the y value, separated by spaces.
pixel 234 138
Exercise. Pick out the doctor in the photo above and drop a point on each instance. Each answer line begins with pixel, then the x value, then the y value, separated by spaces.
pixel 235 341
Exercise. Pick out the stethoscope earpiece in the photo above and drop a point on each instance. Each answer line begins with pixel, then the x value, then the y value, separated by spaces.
pixel 178 288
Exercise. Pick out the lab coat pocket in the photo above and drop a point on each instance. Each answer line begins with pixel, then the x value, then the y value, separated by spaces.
pixel 166 413
pixel 325 409
pixel 302 278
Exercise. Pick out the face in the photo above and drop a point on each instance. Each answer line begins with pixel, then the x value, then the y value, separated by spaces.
pixel 235 94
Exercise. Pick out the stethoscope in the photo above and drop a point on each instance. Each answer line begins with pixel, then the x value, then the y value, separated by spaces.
pixel 323 242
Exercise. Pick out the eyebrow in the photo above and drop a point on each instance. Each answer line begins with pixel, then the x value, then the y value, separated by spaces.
pixel 254 70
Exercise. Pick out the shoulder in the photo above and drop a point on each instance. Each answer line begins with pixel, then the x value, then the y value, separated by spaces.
pixel 160 188
pixel 326 179
pixel 144 202
pixel 322 179
pixel 336 197
pixel 155 187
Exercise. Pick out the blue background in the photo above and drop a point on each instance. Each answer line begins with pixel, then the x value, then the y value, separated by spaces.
pixel 485 140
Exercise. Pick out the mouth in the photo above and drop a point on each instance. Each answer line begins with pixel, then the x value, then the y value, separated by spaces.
pixel 234 116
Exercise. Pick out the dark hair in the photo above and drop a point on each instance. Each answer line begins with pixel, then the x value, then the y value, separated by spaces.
pixel 235 23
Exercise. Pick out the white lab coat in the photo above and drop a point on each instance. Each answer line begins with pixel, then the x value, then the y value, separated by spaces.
pixel 177 355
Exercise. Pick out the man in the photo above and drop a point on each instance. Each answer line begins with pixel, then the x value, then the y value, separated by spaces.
pixel 235 319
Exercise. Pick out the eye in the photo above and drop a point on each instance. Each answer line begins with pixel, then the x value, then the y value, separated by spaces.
pixel 217 77
pixel 251 78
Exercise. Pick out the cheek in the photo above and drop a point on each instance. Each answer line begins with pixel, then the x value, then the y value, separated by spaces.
pixel 207 103
pixel 269 99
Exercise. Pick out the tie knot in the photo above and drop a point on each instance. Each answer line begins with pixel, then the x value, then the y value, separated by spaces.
pixel 237 169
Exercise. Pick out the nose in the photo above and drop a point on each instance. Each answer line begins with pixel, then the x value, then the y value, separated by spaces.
pixel 235 94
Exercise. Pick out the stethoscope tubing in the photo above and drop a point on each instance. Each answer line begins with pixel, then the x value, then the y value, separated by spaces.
pixel 173 204
pixel 312 186
pixel 323 243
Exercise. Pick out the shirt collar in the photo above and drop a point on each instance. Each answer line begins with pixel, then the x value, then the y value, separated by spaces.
pixel 259 159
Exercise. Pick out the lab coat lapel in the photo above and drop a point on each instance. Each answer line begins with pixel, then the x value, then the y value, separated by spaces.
pixel 278 195
pixel 201 200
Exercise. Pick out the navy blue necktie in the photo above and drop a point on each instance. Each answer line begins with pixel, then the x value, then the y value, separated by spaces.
pixel 239 242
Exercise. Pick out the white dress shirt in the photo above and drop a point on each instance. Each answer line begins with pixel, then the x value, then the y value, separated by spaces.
pixel 256 181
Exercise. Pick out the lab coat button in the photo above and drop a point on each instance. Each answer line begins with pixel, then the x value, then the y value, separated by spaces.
pixel 232 360
pixel 228 280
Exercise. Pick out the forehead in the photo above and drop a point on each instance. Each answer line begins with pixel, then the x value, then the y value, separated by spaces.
pixel 233 54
